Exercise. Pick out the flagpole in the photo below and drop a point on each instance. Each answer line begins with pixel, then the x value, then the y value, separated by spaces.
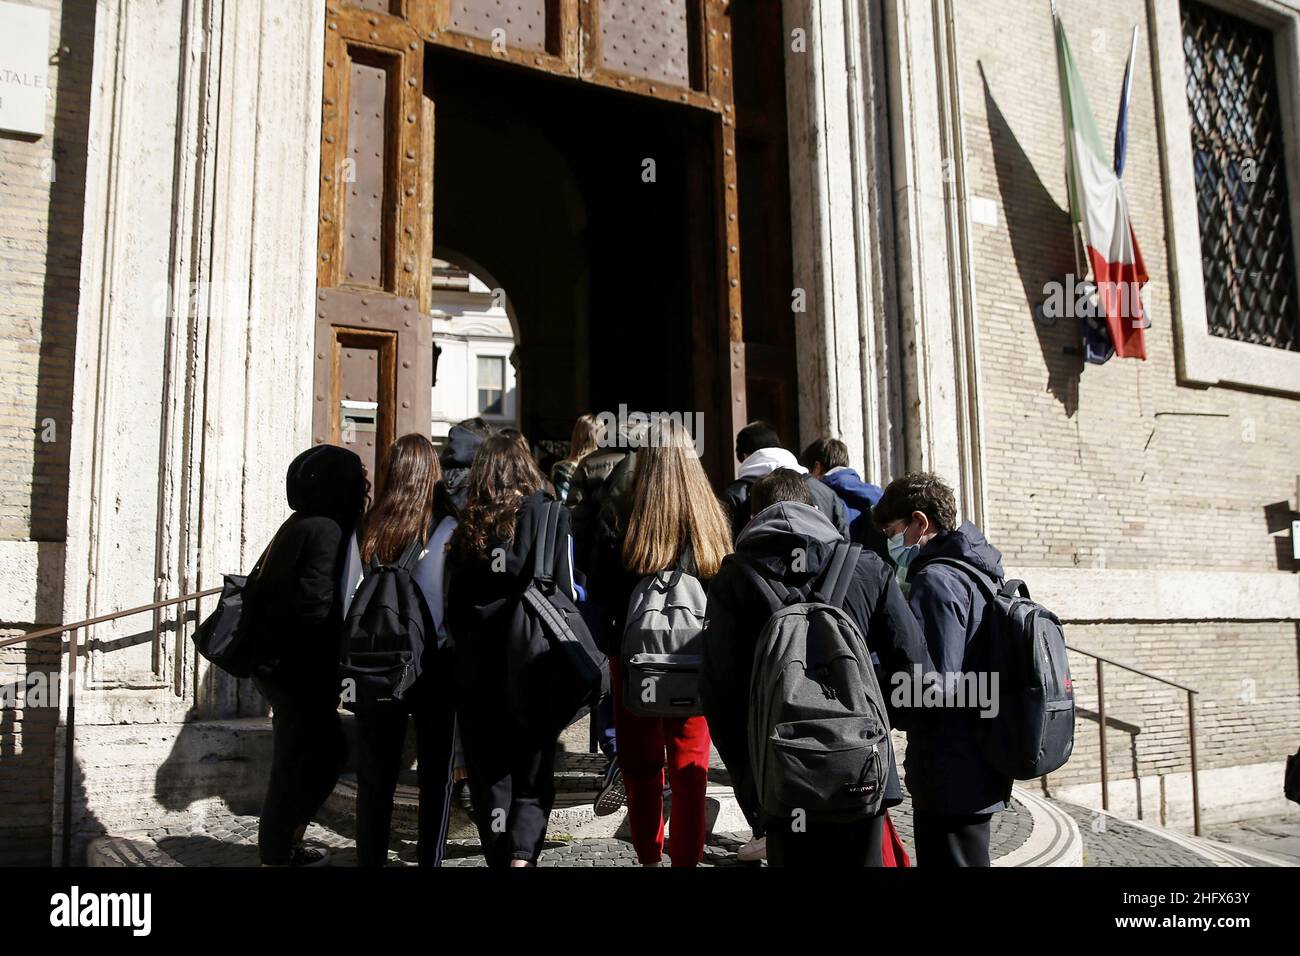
pixel 1079 274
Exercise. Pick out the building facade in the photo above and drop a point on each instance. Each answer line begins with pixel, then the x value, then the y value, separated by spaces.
pixel 841 216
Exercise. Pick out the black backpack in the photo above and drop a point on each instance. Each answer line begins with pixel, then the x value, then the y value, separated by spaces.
pixel 383 632
pixel 818 728
pixel 553 668
pixel 1024 644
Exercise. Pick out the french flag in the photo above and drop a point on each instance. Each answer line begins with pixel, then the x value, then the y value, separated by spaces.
pixel 1099 205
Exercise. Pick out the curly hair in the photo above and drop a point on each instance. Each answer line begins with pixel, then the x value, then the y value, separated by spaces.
pixel 502 476
pixel 917 491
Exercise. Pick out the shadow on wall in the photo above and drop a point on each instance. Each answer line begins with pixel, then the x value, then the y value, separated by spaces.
pixel 226 760
pixel 1042 243
pixel 1278 516
pixel 66 216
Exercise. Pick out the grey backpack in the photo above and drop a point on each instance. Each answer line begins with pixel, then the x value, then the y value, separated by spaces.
pixel 662 642
pixel 818 730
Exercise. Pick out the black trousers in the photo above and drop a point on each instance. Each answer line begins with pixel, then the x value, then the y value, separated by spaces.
pixel 820 844
pixel 308 753
pixel 949 840
pixel 510 778
pixel 381 732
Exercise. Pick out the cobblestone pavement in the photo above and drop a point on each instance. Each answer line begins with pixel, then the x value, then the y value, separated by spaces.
pixel 232 841
pixel 1278 836
pixel 1111 842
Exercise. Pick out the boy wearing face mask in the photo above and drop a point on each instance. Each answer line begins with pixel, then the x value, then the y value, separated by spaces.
pixel 955 791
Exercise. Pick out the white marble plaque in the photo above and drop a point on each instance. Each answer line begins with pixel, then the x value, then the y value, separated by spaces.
pixel 24 67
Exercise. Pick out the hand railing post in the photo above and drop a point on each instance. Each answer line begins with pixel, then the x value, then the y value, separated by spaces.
pixel 1101 723
pixel 1196 783
pixel 69 739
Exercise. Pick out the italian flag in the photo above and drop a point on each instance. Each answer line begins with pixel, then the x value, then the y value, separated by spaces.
pixel 1099 206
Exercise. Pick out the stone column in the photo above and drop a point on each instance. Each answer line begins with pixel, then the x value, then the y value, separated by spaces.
pixel 194 365
pixel 843 231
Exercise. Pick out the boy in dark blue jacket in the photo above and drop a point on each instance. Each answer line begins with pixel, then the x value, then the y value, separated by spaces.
pixel 955 791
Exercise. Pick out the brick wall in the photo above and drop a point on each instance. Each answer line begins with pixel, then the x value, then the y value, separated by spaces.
pixel 1114 466
pixel 42 192
pixel 1246 708
pixel 1117 466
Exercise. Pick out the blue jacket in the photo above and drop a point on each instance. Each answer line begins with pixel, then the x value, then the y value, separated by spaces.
pixel 945 768
pixel 859 498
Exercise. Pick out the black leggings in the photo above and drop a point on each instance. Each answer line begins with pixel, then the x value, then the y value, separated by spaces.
pixel 381 731
pixel 308 753
pixel 947 840
pixel 511 779
pixel 826 844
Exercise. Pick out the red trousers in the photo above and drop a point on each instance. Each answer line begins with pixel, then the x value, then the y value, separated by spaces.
pixel 642 745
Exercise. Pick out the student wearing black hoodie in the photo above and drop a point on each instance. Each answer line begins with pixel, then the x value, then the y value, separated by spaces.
pixel 789 541
pixel 492 553
pixel 955 791
pixel 298 608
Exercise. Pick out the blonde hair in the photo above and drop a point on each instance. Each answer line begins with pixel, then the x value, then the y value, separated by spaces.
pixel 672 504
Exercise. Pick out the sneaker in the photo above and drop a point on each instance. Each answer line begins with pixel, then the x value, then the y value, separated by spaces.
pixel 612 794
pixel 304 855
pixel 753 851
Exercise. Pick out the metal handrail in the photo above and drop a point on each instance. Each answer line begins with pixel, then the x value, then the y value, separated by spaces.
pixel 74 646
pixel 1101 724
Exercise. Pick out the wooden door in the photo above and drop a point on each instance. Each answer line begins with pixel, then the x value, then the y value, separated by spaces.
pixel 376 228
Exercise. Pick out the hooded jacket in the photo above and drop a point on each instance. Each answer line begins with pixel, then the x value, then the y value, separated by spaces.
pixel 738 610
pixel 761 464
pixel 299 594
pixel 946 771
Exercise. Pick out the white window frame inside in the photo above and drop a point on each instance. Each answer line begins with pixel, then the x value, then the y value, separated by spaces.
pixel 1205 358
pixel 503 389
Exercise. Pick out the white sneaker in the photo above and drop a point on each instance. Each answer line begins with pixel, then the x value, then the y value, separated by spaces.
pixel 753 851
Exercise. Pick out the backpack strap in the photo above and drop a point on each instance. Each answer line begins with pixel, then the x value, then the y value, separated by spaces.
pixel 545 547
pixel 777 594
pixel 411 555
pixel 991 587
pixel 839 574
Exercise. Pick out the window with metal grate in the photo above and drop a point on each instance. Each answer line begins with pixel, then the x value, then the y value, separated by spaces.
pixel 1247 246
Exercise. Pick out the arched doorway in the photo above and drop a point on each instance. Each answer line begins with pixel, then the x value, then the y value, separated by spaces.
pixel 619 167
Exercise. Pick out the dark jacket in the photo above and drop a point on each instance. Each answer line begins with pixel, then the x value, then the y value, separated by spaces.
pixel 601 478
pixel 736 499
pixel 946 772
pixel 298 601
pixel 738 610
pixel 480 599
pixel 456 458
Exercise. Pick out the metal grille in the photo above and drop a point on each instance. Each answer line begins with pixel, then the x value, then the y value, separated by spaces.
pixel 1247 253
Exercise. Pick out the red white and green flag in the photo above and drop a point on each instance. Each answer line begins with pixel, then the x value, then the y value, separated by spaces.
pixel 1099 207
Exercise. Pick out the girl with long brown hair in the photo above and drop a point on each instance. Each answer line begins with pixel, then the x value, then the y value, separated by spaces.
pixel 404 514
pixel 671 519
pixel 586 432
pixel 492 551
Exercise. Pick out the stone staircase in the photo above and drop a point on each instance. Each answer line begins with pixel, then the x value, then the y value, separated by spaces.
pixel 1034 831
